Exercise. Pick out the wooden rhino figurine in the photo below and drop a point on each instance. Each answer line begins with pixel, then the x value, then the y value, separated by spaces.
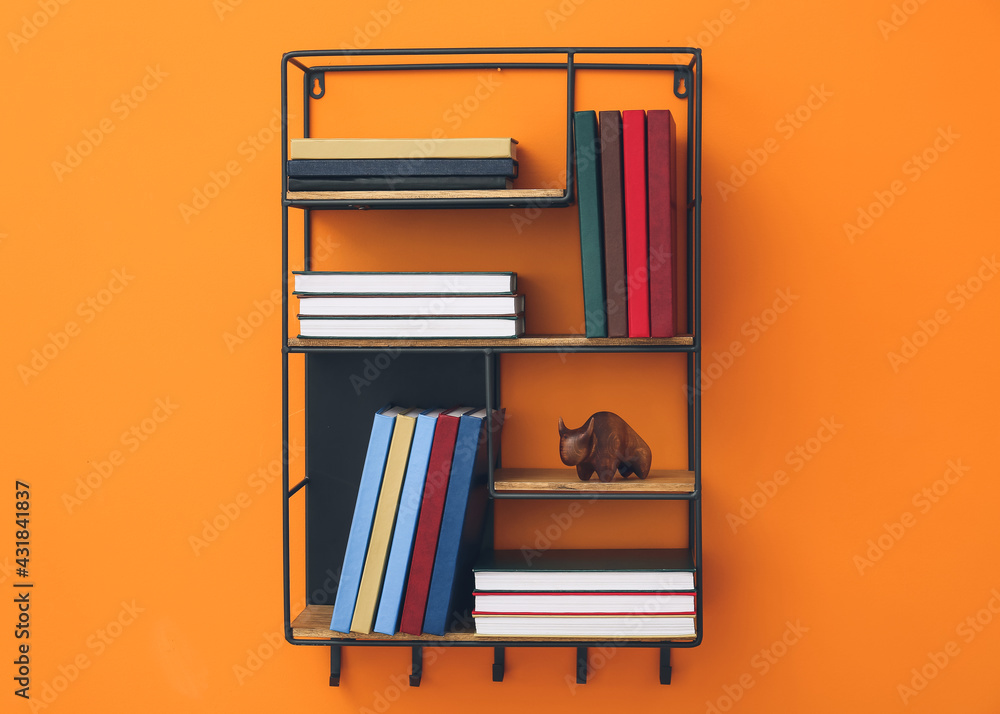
pixel 605 444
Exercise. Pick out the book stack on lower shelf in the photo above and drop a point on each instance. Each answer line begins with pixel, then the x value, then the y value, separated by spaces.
pixel 626 594
pixel 408 305
pixel 626 168
pixel 317 165
pixel 418 522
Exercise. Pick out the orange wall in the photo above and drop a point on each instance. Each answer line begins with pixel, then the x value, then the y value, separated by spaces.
pixel 129 612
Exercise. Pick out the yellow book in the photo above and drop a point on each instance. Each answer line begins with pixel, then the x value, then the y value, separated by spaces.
pixel 385 517
pixel 474 148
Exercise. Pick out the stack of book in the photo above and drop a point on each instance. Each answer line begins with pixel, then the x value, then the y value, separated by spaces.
pixel 585 593
pixel 418 522
pixel 401 164
pixel 409 305
pixel 627 185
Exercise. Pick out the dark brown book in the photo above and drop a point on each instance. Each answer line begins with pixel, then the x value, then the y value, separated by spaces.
pixel 661 132
pixel 614 223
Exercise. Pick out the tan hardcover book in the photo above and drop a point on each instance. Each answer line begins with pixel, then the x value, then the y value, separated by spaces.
pixel 471 148
pixel 385 517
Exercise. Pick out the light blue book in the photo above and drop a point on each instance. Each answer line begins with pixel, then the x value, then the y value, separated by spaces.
pixel 364 516
pixel 394 584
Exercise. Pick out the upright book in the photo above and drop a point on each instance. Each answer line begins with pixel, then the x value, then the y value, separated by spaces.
pixel 588 201
pixel 364 514
pixel 394 585
pixel 385 517
pixel 613 216
pixel 429 523
pixel 636 236
pixel 450 591
pixel 661 132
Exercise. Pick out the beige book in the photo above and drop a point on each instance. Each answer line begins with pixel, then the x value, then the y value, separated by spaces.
pixel 473 148
pixel 385 517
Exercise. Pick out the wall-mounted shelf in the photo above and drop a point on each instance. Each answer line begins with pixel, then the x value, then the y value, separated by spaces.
pixel 462 371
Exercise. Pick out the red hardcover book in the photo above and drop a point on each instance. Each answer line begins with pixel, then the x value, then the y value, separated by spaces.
pixel 429 523
pixel 636 234
pixel 661 136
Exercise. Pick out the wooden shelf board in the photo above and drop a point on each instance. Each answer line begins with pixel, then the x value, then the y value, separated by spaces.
pixel 557 341
pixel 565 479
pixel 454 193
pixel 314 621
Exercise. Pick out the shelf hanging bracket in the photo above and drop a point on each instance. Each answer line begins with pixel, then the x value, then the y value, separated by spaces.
pixel 316 84
pixel 581 665
pixel 498 663
pixel 666 671
pixel 334 665
pixel 682 83
pixel 418 666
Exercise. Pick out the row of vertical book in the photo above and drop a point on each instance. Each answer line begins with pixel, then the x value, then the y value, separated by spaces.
pixel 418 522
pixel 627 186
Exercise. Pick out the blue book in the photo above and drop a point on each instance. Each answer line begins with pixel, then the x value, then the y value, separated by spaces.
pixel 459 541
pixel 364 515
pixel 394 584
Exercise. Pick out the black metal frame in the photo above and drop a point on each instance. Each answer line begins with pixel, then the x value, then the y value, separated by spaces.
pixel 687 75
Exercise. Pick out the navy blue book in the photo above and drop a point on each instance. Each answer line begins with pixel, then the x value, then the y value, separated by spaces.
pixel 302 168
pixel 390 602
pixel 364 516
pixel 450 593
pixel 398 183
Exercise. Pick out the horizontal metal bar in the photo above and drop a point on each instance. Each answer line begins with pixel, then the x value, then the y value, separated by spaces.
pixel 646 644
pixel 297 486
pixel 377 52
pixel 494 65
pixel 504 350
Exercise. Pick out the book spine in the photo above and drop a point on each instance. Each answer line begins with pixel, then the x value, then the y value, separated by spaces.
pixel 385 516
pixel 588 201
pixel 361 523
pixel 636 236
pixel 614 223
pixel 343 168
pixel 399 183
pixel 662 138
pixel 429 525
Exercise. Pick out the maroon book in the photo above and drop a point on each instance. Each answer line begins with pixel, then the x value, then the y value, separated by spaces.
pixel 661 137
pixel 614 223
pixel 636 235
pixel 429 523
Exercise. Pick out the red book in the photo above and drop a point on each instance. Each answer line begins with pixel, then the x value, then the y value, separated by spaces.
pixel 636 235
pixel 661 135
pixel 429 523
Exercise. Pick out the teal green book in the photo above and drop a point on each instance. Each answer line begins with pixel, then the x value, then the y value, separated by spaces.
pixel 588 200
